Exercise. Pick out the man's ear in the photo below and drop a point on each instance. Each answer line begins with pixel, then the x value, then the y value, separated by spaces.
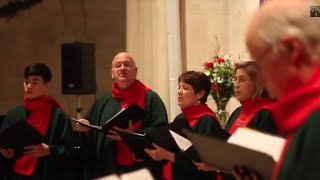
pixel 111 74
pixel 47 85
pixel 136 69
pixel 296 49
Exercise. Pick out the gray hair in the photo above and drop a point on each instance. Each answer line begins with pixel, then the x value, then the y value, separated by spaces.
pixel 289 20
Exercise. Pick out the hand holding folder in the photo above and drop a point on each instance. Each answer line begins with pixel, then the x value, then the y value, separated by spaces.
pixel 18 136
pixel 249 148
pixel 169 137
pixel 120 119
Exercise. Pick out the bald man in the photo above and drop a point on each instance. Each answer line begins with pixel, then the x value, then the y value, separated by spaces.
pixel 110 153
pixel 285 41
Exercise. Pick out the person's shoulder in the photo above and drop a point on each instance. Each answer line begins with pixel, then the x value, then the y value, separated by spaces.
pixel 208 120
pixel 179 116
pixel 313 119
pixel 16 110
pixel 235 113
pixel 238 109
pixel 58 111
pixel 309 130
pixel 151 92
pixel 152 96
pixel 206 116
pixel 264 111
pixel 104 97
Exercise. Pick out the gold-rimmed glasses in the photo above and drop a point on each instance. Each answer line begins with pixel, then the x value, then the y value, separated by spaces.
pixel 240 80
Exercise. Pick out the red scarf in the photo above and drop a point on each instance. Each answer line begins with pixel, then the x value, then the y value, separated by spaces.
pixel 39 119
pixel 192 115
pixel 135 94
pixel 291 111
pixel 249 109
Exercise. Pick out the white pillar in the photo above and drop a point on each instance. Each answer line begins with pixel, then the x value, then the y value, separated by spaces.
pixel 174 53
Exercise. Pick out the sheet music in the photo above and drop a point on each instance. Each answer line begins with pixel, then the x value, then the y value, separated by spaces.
pixel 258 141
pixel 182 142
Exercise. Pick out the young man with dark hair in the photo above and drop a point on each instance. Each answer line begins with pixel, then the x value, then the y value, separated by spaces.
pixel 50 159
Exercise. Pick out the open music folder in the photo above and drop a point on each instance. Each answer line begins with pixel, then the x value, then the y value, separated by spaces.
pixel 120 119
pixel 20 135
pixel 169 137
pixel 246 147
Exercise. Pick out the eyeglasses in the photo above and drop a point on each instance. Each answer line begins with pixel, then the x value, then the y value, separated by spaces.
pixel 240 80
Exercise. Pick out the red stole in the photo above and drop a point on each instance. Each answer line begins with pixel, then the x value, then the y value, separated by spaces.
pixel 291 111
pixel 39 119
pixel 249 109
pixel 135 94
pixel 192 115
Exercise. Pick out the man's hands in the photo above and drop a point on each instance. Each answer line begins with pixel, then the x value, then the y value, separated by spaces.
pixel 7 153
pixel 39 150
pixel 114 135
pixel 82 128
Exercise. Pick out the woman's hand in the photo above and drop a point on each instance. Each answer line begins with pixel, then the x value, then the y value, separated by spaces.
pixel 243 173
pixel 204 167
pixel 160 153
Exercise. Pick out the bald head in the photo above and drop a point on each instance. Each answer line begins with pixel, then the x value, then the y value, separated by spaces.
pixel 123 55
pixel 124 70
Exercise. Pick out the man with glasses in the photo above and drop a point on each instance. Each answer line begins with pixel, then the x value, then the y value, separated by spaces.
pixel 285 41
pixel 109 153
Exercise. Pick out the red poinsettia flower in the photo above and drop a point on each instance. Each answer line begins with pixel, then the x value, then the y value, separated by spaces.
pixel 209 65
pixel 220 60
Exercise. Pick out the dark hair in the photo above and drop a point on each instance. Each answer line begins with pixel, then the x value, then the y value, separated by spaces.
pixel 199 81
pixel 38 69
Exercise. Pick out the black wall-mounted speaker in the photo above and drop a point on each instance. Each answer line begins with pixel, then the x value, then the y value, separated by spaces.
pixel 78 68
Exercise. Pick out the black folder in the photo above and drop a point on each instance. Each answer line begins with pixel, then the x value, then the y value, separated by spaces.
pixel 137 143
pixel 224 156
pixel 121 119
pixel 20 135
pixel 160 136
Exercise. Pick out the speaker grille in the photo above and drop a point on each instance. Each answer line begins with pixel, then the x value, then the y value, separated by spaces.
pixel 78 68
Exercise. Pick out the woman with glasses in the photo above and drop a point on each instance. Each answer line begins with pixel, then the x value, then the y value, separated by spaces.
pixel 254 100
pixel 248 89
pixel 253 112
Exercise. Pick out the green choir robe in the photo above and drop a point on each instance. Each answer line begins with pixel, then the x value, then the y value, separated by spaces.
pixel 302 159
pixel 262 121
pixel 183 168
pixel 57 165
pixel 102 151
